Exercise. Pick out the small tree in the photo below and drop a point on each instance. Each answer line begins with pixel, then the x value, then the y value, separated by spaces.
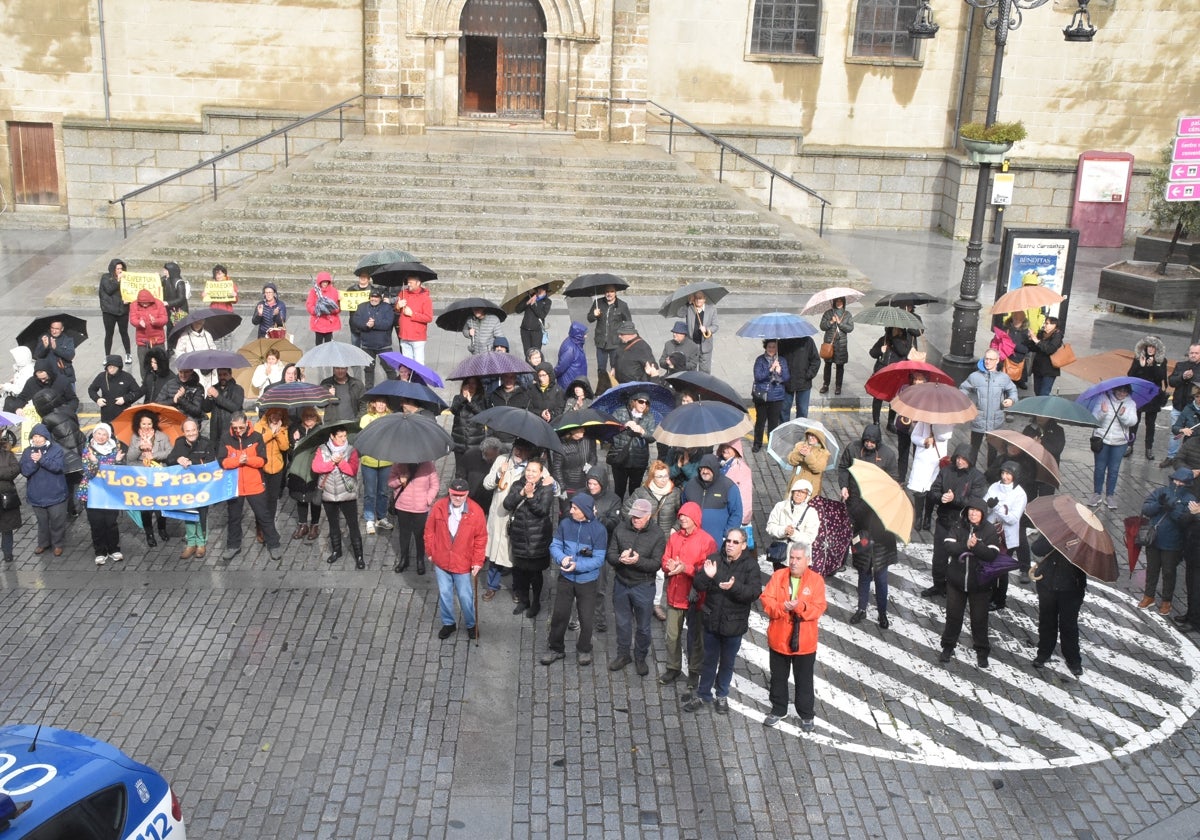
pixel 1185 215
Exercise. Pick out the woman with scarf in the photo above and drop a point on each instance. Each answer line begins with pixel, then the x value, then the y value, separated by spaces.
pixel 971 542
pixel 1149 363
pixel 303 491
pixel 837 323
pixel 270 315
pixel 1117 414
pixel 1007 499
pixel 101 450
pixel 665 499
pixel 149 447
pixel 335 464
pixel 324 308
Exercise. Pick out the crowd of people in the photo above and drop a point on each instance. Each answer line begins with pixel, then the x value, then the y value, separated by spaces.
pixel 627 526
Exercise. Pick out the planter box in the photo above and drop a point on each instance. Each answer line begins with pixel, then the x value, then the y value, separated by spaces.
pixel 981 151
pixel 1152 245
pixel 1134 284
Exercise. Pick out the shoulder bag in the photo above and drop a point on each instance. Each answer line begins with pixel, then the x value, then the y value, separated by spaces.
pixel 1063 356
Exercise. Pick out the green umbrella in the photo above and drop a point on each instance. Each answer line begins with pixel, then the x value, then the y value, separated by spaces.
pixel 1055 408
pixel 889 316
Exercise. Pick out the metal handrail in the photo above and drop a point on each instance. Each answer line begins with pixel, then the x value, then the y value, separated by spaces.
pixel 340 107
pixel 725 146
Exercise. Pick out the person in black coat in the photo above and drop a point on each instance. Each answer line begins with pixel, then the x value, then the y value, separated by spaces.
pixel 534 310
pixel 972 541
pixel 607 313
pixel 372 323
pixel 531 506
pixel 804 361
pixel 10 499
pixel 58 347
pixel 1051 435
pixel 46 378
pixel 872 552
pixel 185 392
pixel 635 552
pixel 224 399
pixel 64 428
pixel 175 291
pixel 570 467
pixel 1060 586
pixel 156 372
pixel 113 309
pixel 730 582
pixel 545 397
pixel 957 482
pixel 473 467
pixel 469 401
pixel 114 390
pixel 511 394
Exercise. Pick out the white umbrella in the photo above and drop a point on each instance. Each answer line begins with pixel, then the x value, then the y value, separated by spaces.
pixel 787 435
pixel 820 301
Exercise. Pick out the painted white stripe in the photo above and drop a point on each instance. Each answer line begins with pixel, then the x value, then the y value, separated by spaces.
pixel 753 691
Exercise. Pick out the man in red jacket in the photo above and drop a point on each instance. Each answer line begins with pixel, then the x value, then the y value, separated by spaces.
pixel 414 311
pixel 242 449
pixel 456 542
pixel 687 549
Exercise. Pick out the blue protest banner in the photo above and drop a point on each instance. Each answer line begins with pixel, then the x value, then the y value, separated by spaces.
pixel 161 488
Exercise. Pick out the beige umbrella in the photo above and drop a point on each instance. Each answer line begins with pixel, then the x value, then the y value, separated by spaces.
pixel 256 354
pixel 1047 464
pixel 886 497
pixel 521 290
pixel 1077 533
pixel 1026 297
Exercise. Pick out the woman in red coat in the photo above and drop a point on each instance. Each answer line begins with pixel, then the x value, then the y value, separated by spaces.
pixel 794 599
pixel 324 308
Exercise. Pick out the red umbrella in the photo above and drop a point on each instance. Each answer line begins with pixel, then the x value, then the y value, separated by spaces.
pixel 1133 524
pixel 886 382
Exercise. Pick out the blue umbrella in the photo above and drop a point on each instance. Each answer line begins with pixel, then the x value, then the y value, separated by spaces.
pixel 415 391
pixel 421 373
pixel 1141 391
pixel 777 325
pixel 662 400
pixel 702 424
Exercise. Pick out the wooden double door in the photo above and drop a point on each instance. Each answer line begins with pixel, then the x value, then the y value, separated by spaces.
pixel 502 59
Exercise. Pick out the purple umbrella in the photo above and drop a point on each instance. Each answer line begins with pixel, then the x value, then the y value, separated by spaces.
pixel 489 364
pixel 833 535
pixel 210 360
pixel 1141 391
pixel 419 372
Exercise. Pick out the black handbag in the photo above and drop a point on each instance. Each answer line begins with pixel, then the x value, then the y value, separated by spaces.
pixel 777 553
pixel 9 500
pixel 1147 533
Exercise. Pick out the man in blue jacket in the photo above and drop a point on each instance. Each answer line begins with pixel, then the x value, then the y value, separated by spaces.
pixel 718 497
pixel 572 360
pixel 42 464
pixel 373 322
pixel 578 551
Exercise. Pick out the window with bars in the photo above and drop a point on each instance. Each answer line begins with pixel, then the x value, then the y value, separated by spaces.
pixel 881 29
pixel 785 27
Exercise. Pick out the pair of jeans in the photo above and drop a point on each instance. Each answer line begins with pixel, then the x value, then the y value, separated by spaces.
pixel 1043 385
pixel 801 399
pixel 800 668
pixel 720 654
pixel 1173 443
pixel 235 508
pixel 567 594
pixel 451 586
pixel 494 575
pixel 376 493
pixel 633 605
pixel 1058 620
pixel 881 590
pixel 1107 468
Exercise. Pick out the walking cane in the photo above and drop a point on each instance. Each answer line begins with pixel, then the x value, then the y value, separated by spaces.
pixel 475 586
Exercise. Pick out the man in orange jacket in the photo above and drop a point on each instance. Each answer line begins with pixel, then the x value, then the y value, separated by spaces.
pixel 794 599
pixel 242 449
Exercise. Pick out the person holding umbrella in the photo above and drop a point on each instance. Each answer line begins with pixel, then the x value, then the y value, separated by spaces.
pixel 970 542
pixel 113 390
pixel 324 308
pixel 770 373
pixel 701 321
pixel 629 453
pixel 303 491
pixel 810 458
pixel 149 447
pixel 1061 586
pixel 414 313
pixel 191 449
pixel 837 322
pixel 481 330
pixel 1167 509
pixel 607 313
pixel 455 537
pixel 794 601
pixel 506 471
pixel 59 347
pixel 1007 499
pixel 534 309
pixel 1117 414
pixel 681 344
pixel 955 485
pixel 893 346
pixel 113 308
pixel 195 337
pixel 571 465
pixel 45 378
pixel 269 373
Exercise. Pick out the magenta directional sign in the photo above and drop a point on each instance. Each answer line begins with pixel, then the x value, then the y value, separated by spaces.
pixel 1186 148
pixel 1185 191
pixel 1184 171
pixel 1188 126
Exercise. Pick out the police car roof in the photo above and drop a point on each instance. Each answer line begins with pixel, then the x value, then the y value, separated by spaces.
pixel 82 766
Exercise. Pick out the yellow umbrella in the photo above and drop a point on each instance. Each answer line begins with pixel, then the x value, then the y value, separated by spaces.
pixel 523 288
pixel 256 354
pixel 886 497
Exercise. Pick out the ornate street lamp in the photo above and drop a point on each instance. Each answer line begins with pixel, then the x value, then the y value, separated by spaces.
pixel 1000 17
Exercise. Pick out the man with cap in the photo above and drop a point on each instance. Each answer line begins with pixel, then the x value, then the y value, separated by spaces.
pixel 718 497
pixel 414 313
pixel 373 322
pixel 607 313
pixel 678 343
pixel 113 390
pixel 636 556
pixel 578 551
pixel 631 356
pixel 456 542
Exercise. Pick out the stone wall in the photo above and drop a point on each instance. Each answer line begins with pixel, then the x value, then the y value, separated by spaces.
pixel 105 161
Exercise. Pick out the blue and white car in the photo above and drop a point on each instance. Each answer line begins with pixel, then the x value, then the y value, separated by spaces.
pixel 60 785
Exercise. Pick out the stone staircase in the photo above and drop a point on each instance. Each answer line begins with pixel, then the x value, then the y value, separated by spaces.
pixel 485 209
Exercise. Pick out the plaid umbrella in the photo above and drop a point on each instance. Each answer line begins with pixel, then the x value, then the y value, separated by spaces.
pixel 889 316
pixel 292 395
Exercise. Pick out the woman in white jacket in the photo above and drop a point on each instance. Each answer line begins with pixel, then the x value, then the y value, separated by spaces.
pixel 194 338
pixel 1007 500
pixel 792 519
pixel 931 442
pixel 1117 414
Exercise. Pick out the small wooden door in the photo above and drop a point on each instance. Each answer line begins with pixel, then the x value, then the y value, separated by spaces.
pixel 34 163
pixel 503 58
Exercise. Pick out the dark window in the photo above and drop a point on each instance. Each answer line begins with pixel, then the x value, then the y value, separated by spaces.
pixel 785 27
pixel 99 817
pixel 881 28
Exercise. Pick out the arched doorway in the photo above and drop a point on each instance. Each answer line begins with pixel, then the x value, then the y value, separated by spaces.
pixel 502 59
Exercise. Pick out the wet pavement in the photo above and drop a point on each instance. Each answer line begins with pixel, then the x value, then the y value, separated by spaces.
pixel 290 699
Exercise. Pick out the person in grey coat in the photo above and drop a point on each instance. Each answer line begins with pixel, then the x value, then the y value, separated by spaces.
pixel 837 322
pixel 700 317
pixel 481 329
pixel 992 392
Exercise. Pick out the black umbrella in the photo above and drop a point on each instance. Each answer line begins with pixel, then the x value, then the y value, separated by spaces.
pixel 417 392
pixel 210 360
pixel 404 439
pixel 372 262
pixel 906 299
pixel 520 423
pixel 672 306
pixel 706 386
pixel 456 313
pixel 217 322
pixel 396 274
pixel 73 327
pixel 302 452
pixel 702 424
pixel 595 424
pixel 593 285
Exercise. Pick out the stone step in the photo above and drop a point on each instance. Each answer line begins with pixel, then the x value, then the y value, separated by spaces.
pixel 482 191
pixel 355 152
pixel 487 168
pixel 401 200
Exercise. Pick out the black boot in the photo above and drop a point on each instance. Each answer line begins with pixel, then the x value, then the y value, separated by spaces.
pixel 162 529
pixel 150 541
pixel 919 510
pixel 357 547
pixel 420 564
pixel 335 545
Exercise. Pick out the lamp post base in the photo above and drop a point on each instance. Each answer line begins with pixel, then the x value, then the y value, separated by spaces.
pixel 960 361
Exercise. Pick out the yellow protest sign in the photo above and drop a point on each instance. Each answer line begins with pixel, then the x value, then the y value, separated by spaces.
pixel 219 291
pixel 352 299
pixel 133 282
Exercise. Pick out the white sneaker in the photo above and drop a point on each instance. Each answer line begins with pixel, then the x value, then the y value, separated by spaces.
pixel 116 555
pixel 1094 500
pixel 100 561
pixel 370 526
pixel 1111 501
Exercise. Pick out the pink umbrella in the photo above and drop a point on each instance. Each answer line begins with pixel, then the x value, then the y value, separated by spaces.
pixel 1001 343
pixel 820 301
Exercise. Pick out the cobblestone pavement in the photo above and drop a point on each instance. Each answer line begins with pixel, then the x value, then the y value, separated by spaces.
pixel 291 700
